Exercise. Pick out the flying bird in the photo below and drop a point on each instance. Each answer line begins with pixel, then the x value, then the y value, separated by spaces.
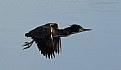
pixel 48 37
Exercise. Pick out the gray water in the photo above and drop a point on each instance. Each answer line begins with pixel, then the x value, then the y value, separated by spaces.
pixel 99 49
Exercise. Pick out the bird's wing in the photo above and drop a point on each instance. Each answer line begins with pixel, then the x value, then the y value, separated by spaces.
pixel 45 46
pixel 56 41
pixel 40 32
pixel 57 44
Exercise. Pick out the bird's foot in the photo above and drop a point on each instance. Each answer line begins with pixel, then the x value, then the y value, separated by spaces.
pixel 28 44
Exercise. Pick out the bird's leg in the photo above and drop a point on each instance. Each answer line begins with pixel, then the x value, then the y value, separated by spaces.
pixel 28 44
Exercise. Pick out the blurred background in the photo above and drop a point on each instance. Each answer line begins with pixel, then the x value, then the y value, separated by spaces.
pixel 99 49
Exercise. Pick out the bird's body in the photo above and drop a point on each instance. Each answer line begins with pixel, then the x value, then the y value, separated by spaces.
pixel 48 37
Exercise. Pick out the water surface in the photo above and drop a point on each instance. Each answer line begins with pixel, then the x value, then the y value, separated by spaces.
pixel 98 49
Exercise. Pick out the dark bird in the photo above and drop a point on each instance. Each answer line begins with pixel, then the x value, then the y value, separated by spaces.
pixel 48 37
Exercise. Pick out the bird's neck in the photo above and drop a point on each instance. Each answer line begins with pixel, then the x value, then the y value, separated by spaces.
pixel 60 33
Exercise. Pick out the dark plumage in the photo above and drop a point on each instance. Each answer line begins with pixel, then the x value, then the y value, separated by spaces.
pixel 47 37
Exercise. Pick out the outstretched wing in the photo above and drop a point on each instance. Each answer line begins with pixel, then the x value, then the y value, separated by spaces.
pixel 47 44
pixel 39 32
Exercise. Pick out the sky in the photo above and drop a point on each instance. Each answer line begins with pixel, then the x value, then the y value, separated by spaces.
pixel 98 49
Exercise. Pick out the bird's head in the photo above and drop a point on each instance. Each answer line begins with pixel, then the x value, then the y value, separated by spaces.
pixel 77 28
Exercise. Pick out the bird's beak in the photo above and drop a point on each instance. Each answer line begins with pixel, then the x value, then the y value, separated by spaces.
pixel 82 30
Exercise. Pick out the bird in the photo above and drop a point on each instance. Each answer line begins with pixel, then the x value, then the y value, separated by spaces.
pixel 48 37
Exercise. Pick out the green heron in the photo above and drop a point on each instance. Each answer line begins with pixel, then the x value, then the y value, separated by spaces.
pixel 48 37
